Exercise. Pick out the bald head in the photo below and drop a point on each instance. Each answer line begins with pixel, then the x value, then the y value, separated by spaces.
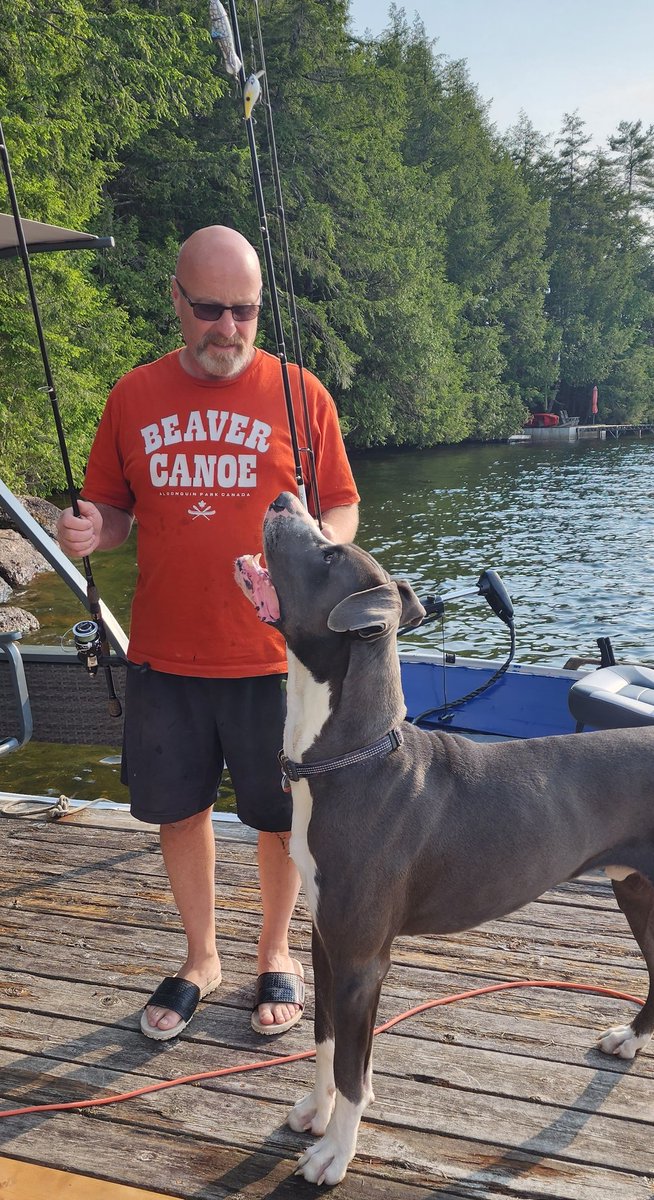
pixel 216 265
pixel 217 249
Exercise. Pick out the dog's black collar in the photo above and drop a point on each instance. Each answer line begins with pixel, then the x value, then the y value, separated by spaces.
pixel 296 771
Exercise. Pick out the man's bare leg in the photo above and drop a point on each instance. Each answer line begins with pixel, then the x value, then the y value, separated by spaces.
pixel 189 854
pixel 280 883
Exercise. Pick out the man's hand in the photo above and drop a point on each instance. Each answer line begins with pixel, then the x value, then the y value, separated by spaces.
pixel 340 524
pixel 80 536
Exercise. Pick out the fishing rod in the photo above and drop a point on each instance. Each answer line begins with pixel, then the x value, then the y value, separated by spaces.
pixel 288 270
pixel 228 39
pixel 90 636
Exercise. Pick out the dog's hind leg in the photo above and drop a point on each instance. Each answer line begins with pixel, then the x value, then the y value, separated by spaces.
pixel 356 995
pixel 313 1112
pixel 635 895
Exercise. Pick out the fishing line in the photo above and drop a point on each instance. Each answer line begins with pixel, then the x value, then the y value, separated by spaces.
pixel 93 595
pixel 229 43
pixel 442 711
pixel 222 1072
pixel 288 270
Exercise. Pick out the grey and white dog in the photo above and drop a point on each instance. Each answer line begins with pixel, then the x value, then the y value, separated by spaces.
pixel 415 832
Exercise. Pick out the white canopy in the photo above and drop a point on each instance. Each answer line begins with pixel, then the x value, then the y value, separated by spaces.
pixel 40 237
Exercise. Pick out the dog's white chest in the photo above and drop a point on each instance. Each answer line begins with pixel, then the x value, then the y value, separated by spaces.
pixel 299 845
pixel 308 705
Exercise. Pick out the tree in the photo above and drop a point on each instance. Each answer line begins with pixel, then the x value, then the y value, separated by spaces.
pixel 633 149
pixel 79 84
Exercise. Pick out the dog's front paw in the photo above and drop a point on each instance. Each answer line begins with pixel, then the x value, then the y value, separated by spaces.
pixel 622 1041
pixel 312 1114
pixel 326 1162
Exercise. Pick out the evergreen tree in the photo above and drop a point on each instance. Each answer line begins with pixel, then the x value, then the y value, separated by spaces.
pixel 633 149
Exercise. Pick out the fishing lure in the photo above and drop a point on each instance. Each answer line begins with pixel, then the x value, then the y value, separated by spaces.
pixel 251 92
pixel 221 32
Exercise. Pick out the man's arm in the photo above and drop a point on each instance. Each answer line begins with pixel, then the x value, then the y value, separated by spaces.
pixel 98 527
pixel 340 524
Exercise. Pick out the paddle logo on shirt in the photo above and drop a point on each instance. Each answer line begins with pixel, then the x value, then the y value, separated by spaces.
pixel 201 509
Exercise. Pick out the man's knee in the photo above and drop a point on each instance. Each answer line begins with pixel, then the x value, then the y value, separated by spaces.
pixel 186 825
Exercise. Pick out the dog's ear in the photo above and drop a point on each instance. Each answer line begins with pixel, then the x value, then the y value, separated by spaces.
pixel 412 610
pixel 369 614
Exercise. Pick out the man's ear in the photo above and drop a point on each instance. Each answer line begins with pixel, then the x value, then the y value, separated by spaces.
pixel 413 611
pixel 369 614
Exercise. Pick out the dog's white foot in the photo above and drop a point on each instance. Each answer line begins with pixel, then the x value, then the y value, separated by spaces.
pixel 622 1041
pixel 312 1114
pixel 328 1160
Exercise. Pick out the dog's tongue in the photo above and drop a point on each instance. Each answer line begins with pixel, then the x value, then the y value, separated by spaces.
pixel 254 582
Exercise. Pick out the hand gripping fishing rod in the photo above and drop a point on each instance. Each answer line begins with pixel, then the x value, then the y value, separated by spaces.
pixel 229 42
pixel 90 641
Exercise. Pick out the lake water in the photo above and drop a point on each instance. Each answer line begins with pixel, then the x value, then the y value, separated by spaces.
pixel 570 528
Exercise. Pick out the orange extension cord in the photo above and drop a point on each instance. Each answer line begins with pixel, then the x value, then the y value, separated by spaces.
pixel 275 1062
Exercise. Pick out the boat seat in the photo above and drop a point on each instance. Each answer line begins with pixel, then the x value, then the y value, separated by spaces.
pixel 613 697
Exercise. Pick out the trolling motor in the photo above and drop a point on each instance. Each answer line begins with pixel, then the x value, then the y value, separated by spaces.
pixel 490 586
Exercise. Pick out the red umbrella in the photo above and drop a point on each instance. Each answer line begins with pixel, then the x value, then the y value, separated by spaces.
pixel 593 403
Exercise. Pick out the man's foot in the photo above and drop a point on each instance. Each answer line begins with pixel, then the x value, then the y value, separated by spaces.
pixel 280 996
pixel 162 1022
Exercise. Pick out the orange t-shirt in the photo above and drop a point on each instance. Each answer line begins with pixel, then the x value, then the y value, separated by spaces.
pixel 198 463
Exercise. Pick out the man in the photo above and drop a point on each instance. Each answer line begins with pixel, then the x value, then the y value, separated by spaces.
pixel 194 446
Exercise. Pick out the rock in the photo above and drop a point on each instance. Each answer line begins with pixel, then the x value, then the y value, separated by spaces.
pixel 5 591
pixel 19 561
pixel 42 510
pixel 16 620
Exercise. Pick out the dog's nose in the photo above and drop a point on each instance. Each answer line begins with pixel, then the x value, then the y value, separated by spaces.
pixel 284 503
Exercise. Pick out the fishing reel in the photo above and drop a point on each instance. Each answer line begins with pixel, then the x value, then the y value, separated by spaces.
pixel 86 635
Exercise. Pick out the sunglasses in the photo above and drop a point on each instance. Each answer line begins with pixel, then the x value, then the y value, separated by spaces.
pixel 212 311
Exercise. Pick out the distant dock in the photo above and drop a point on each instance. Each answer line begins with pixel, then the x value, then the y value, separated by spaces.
pixel 577 433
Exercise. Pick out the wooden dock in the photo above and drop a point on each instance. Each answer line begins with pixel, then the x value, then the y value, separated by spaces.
pixel 503 1095
pixel 580 433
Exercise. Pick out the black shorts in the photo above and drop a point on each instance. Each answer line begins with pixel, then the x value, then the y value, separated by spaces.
pixel 179 734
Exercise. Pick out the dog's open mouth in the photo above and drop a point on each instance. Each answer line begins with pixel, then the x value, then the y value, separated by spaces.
pixel 254 581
